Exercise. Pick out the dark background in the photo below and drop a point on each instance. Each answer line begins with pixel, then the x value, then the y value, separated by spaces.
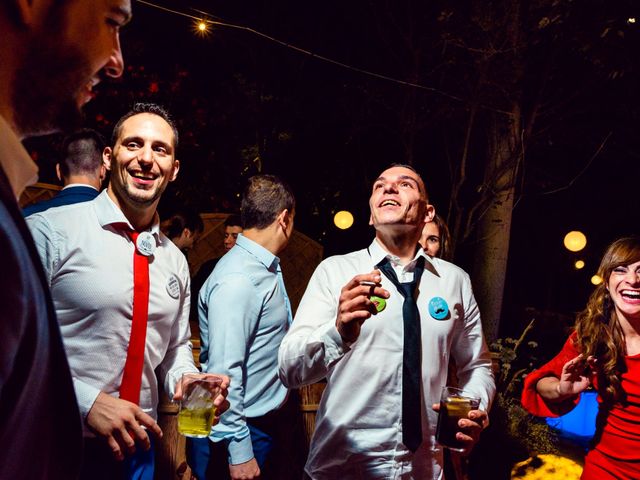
pixel 246 104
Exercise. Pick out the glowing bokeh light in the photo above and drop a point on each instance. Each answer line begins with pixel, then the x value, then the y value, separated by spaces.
pixel 579 264
pixel 575 241
pixel 343 219
pixel 596 279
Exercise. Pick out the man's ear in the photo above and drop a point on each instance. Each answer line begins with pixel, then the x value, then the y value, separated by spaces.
pixel 176 168
pixel 58 172
pixel 283 218
pixel 430 213
pixel 106 157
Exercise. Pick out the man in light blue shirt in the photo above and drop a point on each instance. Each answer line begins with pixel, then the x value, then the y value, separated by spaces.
pixel 244 308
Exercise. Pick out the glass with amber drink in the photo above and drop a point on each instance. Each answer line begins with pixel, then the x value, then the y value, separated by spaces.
pixel 454 405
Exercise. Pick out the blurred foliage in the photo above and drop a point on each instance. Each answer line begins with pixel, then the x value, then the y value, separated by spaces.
pixel 515 359
pixel 519 434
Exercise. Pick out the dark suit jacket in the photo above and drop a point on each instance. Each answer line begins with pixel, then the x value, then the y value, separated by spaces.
pixel 40 425
pixel 67 196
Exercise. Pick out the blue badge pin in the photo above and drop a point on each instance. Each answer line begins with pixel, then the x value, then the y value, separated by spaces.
pixel 438 308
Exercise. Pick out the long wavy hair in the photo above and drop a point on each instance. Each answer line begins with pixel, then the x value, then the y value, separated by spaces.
pixel 598 329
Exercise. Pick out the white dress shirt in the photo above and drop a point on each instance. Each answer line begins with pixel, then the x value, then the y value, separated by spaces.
pixel 358 424
pixel 88 260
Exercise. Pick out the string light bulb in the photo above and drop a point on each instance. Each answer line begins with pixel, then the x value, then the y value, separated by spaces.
pixel 201 27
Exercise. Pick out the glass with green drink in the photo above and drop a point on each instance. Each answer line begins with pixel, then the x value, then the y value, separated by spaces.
pixel 196 407
pixel 454 405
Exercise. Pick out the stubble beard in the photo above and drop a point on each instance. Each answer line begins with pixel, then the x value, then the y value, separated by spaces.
pixel 46 87
pixel 131 197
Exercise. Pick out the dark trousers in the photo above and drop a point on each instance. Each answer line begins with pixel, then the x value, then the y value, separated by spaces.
pixel 280 446
pixel 98 463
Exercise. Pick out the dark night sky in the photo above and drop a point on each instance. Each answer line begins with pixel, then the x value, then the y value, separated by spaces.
pixel 335 130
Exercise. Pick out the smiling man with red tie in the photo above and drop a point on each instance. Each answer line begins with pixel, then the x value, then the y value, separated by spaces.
pixel 121 293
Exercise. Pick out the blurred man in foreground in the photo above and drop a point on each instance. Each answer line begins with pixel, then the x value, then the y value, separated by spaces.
pixel 51 56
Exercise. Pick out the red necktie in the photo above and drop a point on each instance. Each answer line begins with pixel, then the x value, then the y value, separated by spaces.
pixel 132 376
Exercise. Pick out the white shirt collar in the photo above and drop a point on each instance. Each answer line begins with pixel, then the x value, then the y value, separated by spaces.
pixel 71 185
pixel 18 166
pixel 108 213
pixel 378 253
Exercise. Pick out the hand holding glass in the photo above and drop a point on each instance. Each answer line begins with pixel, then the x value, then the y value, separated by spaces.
pixel 196 407
pixel 454 405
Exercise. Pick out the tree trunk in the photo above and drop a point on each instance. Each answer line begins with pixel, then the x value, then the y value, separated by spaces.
pixel 494 229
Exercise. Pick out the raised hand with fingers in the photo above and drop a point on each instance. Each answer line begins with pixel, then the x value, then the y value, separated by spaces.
pixel 355 304
pixel 576 376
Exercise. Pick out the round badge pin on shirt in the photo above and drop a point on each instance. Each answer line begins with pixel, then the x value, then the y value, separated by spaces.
pixel 173 287
pixel 146 243
pixel 379 302
pixel 438 308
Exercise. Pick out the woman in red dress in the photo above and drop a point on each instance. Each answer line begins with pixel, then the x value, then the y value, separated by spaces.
pixel 603 351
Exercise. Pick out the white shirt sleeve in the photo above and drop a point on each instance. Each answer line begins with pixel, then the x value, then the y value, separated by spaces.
pixel 313 345
pixel 470 352
pixel 47 240
pixel 179 356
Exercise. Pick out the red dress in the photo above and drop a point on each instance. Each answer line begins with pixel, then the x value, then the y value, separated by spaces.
pixel 616 452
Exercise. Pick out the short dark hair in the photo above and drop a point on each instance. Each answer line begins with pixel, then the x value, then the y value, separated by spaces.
pixel 265 197
pixel 82 153
pixel 173 226
pixel 139 108
pixel 233 220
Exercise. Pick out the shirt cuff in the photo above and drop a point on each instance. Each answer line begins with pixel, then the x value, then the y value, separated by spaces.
pixel 335 346
pixel 174 376
pixel 240 451
pixel 86 395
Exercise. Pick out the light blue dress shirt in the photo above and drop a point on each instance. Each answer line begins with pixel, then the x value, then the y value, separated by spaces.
pixel 244 309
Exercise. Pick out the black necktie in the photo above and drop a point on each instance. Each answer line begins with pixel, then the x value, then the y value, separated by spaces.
pixel 411 358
